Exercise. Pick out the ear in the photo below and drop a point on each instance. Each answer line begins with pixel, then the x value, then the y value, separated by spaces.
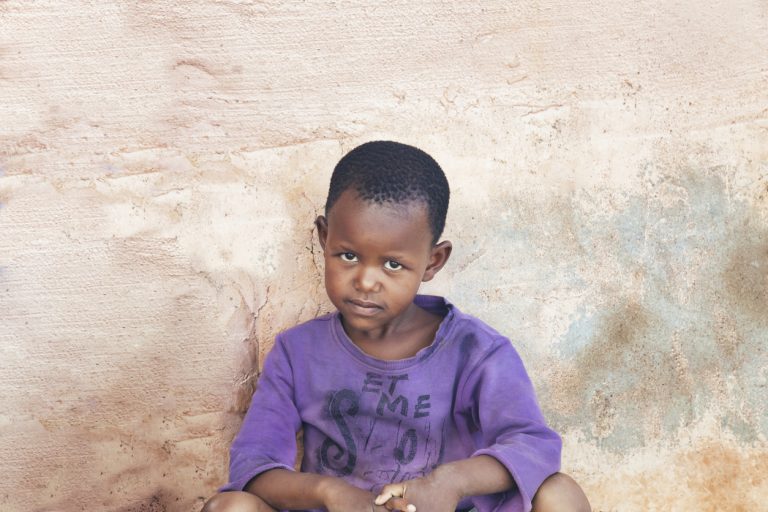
pixel 321 223
pixel 439 257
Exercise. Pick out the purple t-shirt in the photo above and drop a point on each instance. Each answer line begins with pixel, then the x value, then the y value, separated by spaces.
pixel 374 422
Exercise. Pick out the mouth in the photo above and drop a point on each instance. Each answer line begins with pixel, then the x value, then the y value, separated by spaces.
pixel 363 307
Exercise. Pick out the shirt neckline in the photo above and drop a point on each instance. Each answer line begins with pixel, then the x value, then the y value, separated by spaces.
pixel 433 304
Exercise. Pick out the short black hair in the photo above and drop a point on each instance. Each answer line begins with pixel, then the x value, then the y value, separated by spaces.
pixel 391 172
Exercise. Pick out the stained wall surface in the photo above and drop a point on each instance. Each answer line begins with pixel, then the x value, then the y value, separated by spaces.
pixel 161 164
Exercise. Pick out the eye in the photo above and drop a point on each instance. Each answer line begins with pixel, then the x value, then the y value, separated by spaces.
pixel 392 265
pixel 348 257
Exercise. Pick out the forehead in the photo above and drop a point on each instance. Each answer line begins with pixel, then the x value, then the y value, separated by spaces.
pixel 399 225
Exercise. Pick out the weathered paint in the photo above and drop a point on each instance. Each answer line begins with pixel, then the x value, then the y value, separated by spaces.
pixel 161 164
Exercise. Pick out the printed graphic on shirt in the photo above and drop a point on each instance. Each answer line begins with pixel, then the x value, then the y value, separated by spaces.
pixel 392 400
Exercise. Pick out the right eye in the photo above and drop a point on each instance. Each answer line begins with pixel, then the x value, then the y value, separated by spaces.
pixel 348 257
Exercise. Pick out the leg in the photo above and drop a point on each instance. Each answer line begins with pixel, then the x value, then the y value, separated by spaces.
pixel 560 493
pixel 236 501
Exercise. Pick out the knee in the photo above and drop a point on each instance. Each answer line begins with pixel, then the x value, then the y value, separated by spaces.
pixel 560 493
pixel 236 501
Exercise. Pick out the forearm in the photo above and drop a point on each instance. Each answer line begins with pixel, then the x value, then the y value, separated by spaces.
pixel 289 490
pixel 475 476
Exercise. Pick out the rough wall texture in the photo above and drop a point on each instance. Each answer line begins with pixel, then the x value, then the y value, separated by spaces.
pixel 161 164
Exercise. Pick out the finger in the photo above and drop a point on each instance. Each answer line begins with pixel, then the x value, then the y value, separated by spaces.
pixel 383 498
pixel 389 492
pixel 400 504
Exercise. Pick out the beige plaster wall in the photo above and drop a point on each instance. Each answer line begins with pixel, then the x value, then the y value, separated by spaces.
pixel 161 163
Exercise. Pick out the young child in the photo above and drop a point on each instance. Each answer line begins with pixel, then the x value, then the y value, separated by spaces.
pixel 406 403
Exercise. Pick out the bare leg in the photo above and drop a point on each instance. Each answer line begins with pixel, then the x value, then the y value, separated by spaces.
pixel 560 493
pixel 236 501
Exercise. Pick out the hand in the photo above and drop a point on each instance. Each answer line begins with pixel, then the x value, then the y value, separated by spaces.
pixel 339 496
pixel 426 494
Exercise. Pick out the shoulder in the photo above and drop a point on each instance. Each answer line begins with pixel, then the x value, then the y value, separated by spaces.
pixel 475 333
pixel 310 327
pixel 461 325
pixel 479 344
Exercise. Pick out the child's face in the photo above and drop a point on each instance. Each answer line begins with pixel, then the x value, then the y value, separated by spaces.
pixel 376 256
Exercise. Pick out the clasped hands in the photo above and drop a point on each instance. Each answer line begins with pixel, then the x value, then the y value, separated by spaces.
pixel 426 494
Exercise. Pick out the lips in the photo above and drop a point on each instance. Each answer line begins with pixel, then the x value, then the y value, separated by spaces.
pixel 363 307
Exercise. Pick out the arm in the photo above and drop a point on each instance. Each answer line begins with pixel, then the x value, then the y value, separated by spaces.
pixel 510 426
pixel 263 453
pixel 267 436
pixel 515 450
pixel 288 490
pixel 448 484
pixel 474 476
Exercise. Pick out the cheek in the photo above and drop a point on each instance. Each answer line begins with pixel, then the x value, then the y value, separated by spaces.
pixel 329 276
pixel 333 278
pixel 407 288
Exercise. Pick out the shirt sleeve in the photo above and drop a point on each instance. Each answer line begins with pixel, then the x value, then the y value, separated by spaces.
pixel 267 437
pixel 510 427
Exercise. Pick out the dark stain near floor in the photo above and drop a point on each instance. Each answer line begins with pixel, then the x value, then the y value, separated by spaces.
pixel 159 501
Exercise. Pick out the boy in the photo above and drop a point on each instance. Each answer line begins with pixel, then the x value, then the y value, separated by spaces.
pixel 405 402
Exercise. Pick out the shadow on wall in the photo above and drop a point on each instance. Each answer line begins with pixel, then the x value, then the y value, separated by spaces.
pixel 171 466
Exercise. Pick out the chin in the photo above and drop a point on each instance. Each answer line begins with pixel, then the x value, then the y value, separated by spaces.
pixel 361 324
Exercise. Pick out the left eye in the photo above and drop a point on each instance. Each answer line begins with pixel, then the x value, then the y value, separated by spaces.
pixel 392 265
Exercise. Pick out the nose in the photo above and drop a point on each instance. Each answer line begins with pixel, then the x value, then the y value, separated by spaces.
pixel 367 279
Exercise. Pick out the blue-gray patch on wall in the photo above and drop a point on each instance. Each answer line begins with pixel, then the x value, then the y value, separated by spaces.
pixel 663 349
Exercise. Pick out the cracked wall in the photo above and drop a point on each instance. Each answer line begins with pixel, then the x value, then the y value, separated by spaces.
pixel 161 164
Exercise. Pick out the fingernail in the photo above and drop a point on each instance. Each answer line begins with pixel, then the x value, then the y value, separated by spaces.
pixel 411 508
